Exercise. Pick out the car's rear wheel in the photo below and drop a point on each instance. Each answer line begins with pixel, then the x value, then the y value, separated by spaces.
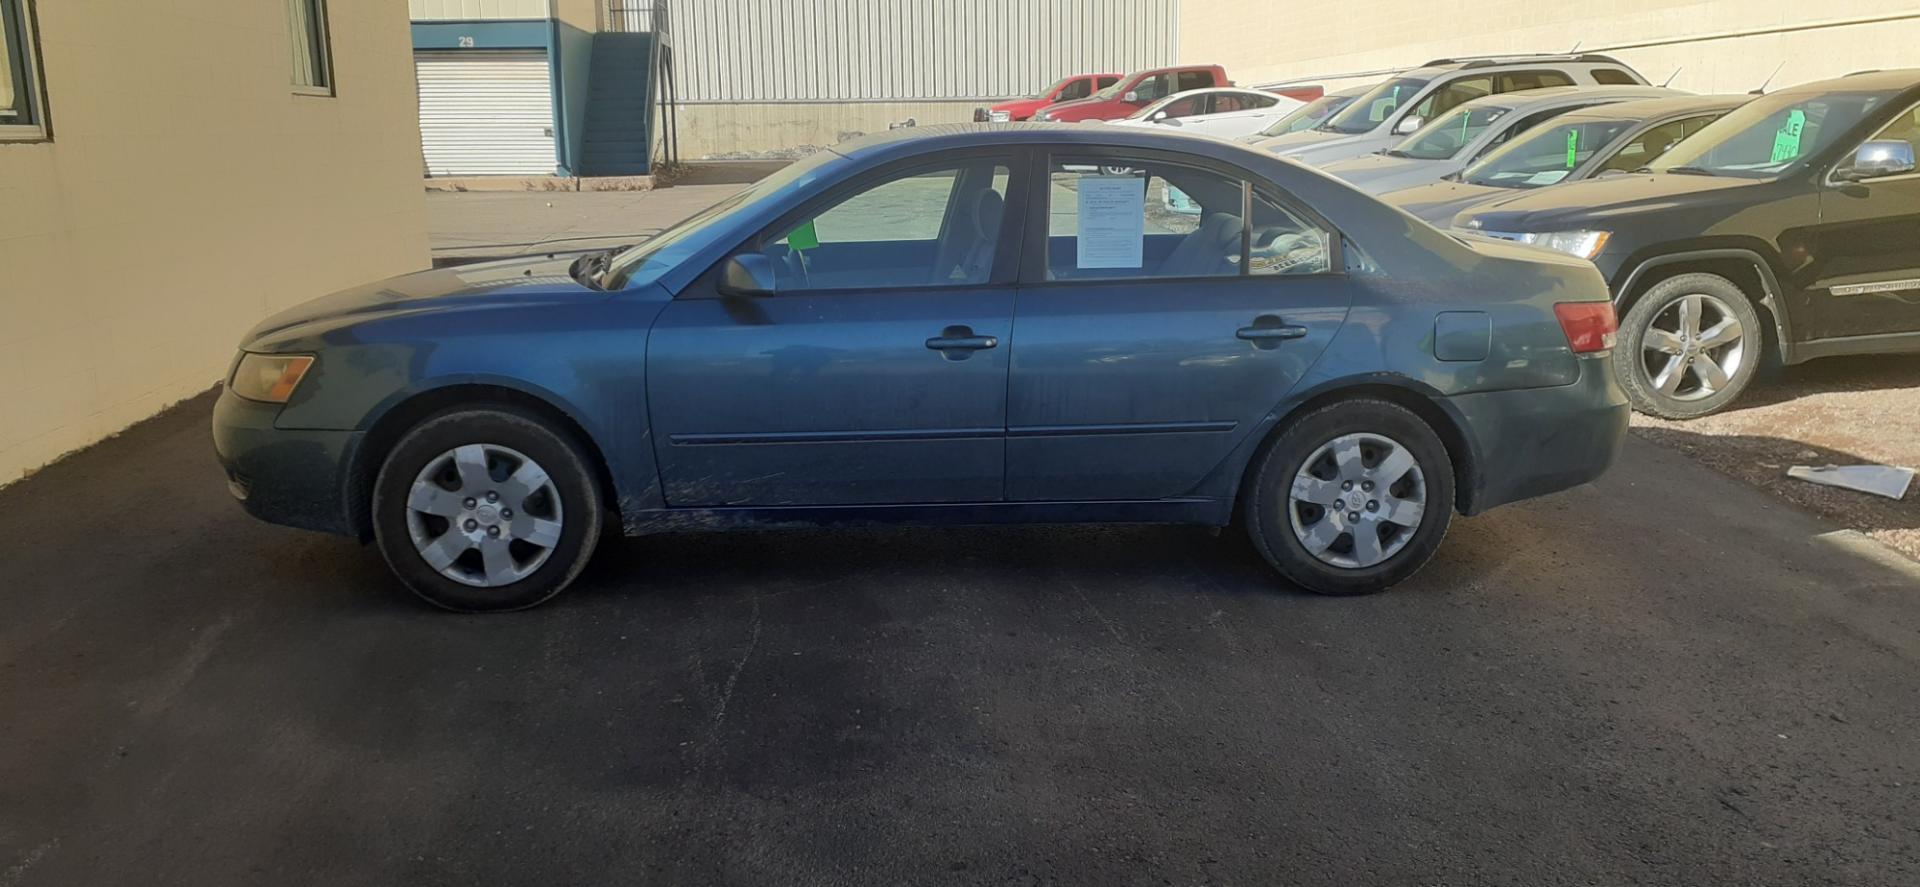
pixel 485 509
pixel 1352 498
pixel 1689 347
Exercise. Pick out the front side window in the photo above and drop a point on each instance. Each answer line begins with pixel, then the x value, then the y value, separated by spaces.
pixel 19 84
pixel 1904 128
pixel 1126 219
pixel 1374 106
pixel 1544 156
pixel 1107 80
pixel 1769 135
pixel 1650 144
pixel 1186 106
pixel 1444 137
pixel 312 53
pixel 930 227
pixel 1452 95
pixel 1078 89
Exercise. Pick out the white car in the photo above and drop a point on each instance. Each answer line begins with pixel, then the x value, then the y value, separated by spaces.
pixel 1225 112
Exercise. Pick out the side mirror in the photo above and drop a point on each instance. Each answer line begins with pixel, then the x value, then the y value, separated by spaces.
pixel 1408 124
pixel 1131 96
pixel 747 274
pixel 1878 159
pixel 1158 115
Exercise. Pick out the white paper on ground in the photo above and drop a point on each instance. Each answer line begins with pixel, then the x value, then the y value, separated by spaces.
pixel 1880 480
pixel 1113 221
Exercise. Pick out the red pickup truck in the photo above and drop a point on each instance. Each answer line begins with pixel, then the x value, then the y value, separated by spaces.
pixel 1134 91
pixel 1068 89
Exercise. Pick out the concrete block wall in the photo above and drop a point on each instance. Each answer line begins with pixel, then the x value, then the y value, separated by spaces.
pixel 186 193
pixel 1715 46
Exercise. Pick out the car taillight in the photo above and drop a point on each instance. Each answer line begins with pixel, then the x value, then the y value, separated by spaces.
pixel 1590 326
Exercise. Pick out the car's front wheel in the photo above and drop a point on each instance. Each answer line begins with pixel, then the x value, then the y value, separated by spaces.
pixel 1352 498
pixel 1688 347
pixel 486 509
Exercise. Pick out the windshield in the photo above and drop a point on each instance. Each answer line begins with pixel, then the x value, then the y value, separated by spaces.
pixel 1308 116
pixel 1374 105
pixel 1445 136
pixel 1049 90
pixel 1770 134
pixel 1544 156
pixel 646 261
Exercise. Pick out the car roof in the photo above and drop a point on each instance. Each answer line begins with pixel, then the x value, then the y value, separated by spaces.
pixel 1869 81
pixel 1520 60
pixel 1648 109
pixel 881 146
pixel 1528 99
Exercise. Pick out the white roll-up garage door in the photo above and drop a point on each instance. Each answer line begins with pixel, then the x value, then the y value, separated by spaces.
pixel 485 113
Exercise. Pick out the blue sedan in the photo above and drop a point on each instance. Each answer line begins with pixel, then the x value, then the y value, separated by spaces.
pixel 972 324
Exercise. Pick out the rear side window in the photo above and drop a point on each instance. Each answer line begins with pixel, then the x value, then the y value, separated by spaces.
pixel 1140 219
pixel 1108 81
pixel 1520 80
pixel 1447 97
pixel 1613 77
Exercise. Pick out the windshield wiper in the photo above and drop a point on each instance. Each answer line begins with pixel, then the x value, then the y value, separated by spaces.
pixel 1689 171
pixel 588 268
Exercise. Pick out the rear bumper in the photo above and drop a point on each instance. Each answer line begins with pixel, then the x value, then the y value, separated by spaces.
pixel 1536 441
pixel 297 478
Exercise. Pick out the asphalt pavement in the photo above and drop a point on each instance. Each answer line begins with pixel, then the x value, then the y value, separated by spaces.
pixel 1665 678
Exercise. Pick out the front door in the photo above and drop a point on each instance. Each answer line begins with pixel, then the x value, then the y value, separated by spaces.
pixel 1150 341
pixel 1866 251
pixel 876 373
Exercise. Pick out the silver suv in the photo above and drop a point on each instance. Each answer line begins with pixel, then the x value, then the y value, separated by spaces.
pixel 1403 103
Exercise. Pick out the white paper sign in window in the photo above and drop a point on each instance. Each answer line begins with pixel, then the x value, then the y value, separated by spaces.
pixel 1112 221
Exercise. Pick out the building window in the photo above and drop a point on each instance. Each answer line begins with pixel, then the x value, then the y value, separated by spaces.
pixel 312 54
pixel 20 113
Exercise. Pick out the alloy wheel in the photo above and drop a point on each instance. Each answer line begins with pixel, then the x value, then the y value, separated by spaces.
pixel 1358 500
pixel 1693 348
pixel 484 515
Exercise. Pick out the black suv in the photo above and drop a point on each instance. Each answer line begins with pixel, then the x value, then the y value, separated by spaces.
pixel 1787 230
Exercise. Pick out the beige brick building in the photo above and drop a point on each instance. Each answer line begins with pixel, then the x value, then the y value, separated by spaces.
pixel 170 173
pixel 1714 46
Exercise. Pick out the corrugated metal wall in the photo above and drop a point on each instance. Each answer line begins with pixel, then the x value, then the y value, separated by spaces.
pixel 908 50
pixel 475 10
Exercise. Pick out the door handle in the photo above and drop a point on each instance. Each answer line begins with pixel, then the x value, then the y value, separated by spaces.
pixel 959 342
pixel 1269 331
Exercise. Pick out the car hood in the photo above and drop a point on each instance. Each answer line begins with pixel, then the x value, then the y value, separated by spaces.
pixel 1076 103
pixel 1599 202
pixel 1379 173
pixel 511 281
pixel 1314 147
pixel 1436 203
pixel 1015 106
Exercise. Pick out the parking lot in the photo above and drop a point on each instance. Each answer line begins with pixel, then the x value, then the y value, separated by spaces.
pixel 1614 685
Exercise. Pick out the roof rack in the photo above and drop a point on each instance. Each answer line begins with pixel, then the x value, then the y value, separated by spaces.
pixel 1867 71
pixel 1487 61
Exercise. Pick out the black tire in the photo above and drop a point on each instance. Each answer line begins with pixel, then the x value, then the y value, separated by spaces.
pixel 1640 370
pixel 580 505
pixel 1270 510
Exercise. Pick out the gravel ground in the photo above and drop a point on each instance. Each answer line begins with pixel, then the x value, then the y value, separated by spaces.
pixel 1843 411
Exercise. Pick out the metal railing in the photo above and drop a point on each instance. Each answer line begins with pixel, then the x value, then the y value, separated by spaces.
pixel 652 17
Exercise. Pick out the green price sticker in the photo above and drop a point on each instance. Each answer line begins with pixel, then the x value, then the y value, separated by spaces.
pixel 1573 148
pixel 1786 142
pixel 803 237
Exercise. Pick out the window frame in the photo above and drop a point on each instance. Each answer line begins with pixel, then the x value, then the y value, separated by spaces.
pixel 1033 255
pixel 1831 178
pixel 1006 258
pixel 38 127
pixel 323 51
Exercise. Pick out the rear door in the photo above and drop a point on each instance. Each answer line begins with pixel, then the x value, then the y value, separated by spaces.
pixel 877 371
pixel 1866 250
pixel 1149 345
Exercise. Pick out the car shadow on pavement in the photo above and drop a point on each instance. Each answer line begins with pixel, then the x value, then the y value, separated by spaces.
pixel 1836 375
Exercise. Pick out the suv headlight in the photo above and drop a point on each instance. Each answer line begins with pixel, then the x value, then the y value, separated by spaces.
pixel 998 116
pixel 269 378
pixel 1585 244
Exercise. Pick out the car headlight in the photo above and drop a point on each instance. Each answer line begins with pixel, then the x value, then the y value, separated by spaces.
pixel 998 116
pixel 1585 244
pixel 1043 116
pixel 269 378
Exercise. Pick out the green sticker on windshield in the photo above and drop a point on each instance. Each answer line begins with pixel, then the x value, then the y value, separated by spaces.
pixel 1786 142
pixel 803 237
pixel 1573 148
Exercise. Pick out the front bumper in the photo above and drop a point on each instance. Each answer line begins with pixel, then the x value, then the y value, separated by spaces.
pixel 295 477
pixel 1534 441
